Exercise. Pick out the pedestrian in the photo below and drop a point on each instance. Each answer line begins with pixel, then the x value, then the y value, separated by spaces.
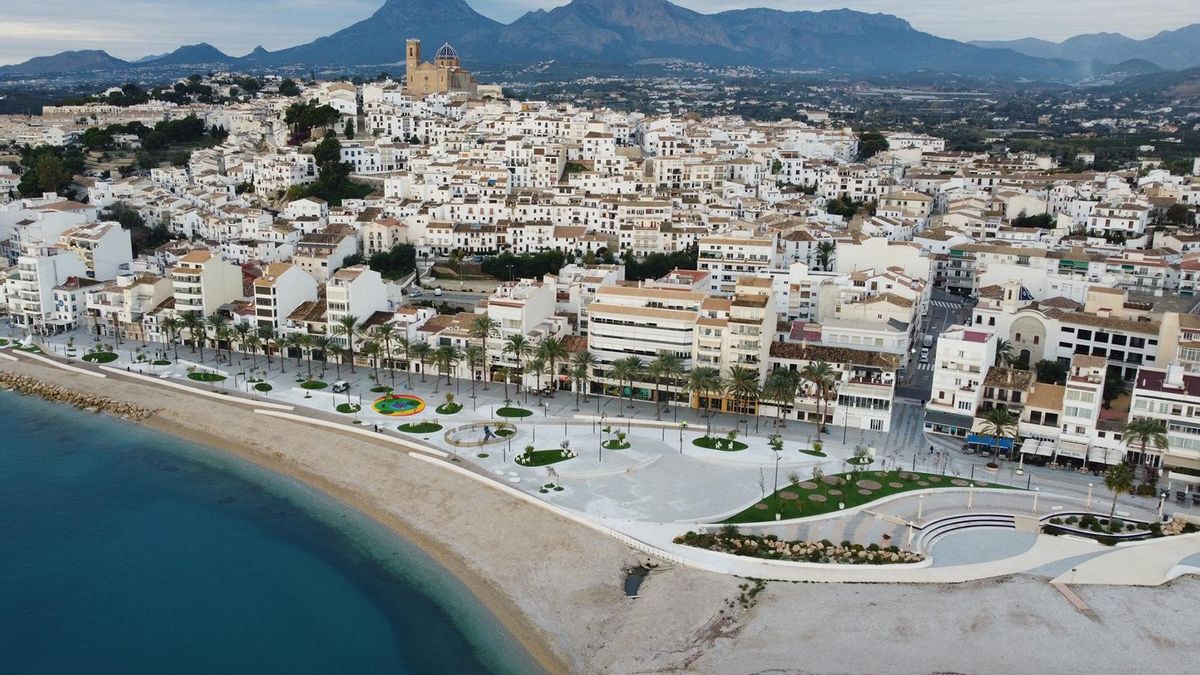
pixel 487 433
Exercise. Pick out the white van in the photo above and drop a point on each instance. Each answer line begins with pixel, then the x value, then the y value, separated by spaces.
pixel 928 342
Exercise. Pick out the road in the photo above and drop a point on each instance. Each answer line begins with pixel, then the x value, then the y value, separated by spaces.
pixel 945 310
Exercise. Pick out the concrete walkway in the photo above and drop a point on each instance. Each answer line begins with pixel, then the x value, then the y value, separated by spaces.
pixel 1147 563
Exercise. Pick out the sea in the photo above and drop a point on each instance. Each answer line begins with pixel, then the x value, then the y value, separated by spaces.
pixel 125 550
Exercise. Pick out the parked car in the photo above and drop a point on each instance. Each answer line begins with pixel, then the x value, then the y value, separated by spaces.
pixel 415 292
pixel 340 387
pixel 437 291
pixel 925 355
pixel 928 342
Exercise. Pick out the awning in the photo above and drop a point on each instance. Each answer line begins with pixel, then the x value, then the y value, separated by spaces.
pixel 1105 455
pixel 989 441
pixel 1076 450
pixel 948 419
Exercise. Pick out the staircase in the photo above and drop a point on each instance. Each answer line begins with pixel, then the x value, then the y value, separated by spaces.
pixel 934 530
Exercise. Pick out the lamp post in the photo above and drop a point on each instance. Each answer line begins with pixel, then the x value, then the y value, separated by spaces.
pixel 1089 500
pixel 920 506
pixel 1036 493
pixel 970 496
pixel 1162 499
pixel 682 426
pixel 603 417
pixel 778 506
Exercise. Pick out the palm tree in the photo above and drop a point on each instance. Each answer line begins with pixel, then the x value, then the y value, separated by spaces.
pixel 581 370
pixel 242 330
pixel 780 389
pixel 421 352
pixel 484 327
pixel 171 325
pixel 446 357
pixel 371 351
pixel 825 251
pixel 537 364
pixel 321 344
pixel 338 353
pixel 268 337
pixel 304 343
pixel 1145 432
pixel 998 423
pixel 665 365
pixel 1004 353
pixel 518 345
pixel 385 333
pixel 704 381
pixel 347 326
pixel 742 385
pixel 628 369
pixel 553 350
pixel 505 375
pixel 252 342
pixel 282 342
pixel 404 346
pixel 1119 478
pixel 216 323
pixel 195 328
pixel 820 374
pixel 673 372
pixel 474 356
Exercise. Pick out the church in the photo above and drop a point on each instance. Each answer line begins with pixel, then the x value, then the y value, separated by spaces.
pixel 444 76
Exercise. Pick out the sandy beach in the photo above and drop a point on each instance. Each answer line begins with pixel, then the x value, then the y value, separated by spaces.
pixel 557 586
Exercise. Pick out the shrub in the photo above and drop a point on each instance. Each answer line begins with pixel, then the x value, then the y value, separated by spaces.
pixel 1056 521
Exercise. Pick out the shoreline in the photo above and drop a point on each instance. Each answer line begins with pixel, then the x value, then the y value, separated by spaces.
pixel 503 608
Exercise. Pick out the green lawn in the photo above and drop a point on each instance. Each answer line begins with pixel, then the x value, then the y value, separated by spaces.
pixel 448 408
pixel 32 349
pixel 505 433
pixel 381 389
pixel 263 386
pixel 814 453
pixel 511 411
pixel 719 443
pixel 100 357
pixel 420 427
pixel 614 444
pixel 206 377
pixel 314 384
pixel 815 497
pixel 542 457
pixel 347 408
pixel 162 362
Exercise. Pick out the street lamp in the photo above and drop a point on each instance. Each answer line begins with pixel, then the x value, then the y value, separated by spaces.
pixel 682 426
pixel 778 504
pixel 1089 501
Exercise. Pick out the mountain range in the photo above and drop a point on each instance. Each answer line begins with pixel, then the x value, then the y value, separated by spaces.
pixel 627 31
pixel 1173 49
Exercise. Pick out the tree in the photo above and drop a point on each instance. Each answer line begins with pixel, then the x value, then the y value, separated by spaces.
pixel 820 374
pixel 49 175
pixel 1114 387
pixel 1146 432
pixel 421 351
pixel 537 364
pixel 742 385
pixel 328 151
pixel 172 325
pixel 385 334
pixel 268 337
pixel 518 345
pixel 871 143
pixel 581 371
pixel 1050 372
pixel 627 369
pixel 553 350
pixel 347 327
pixel 704 381
pixel 349 131
pixel 666 365
pixel 483 327
pixel 405 347
pixel 371 351
pixel 215 322
pixel 474 356
pixel 998 423
pixel 1118 479
pixel 780 388
pixel 289 87
pixel 447 357
pixel 1179 214
pixel 825 251
pixel 321 344
pixel 1004 353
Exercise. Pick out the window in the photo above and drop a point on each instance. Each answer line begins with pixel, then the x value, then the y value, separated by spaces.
pixel 1084 334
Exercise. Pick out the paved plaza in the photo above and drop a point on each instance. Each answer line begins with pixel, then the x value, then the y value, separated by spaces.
pixel 663 484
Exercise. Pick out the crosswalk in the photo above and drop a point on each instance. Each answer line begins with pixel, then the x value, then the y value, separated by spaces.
pixel 945 304
pixel 925 366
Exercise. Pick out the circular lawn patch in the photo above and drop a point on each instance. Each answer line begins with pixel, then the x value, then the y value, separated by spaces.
pixel 722 444
pixel 420 427
pixel 512 411
pixel 100 357
pixel 314 384
pixel 206 377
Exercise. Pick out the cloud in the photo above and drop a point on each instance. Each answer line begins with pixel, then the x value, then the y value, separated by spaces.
pixel 134 28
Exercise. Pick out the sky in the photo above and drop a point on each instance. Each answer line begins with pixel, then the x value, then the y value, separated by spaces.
pixel 132 29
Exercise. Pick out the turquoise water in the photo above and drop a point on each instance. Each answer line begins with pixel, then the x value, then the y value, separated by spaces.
pixel 123 550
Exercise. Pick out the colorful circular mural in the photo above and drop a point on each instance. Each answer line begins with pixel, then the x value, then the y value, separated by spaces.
pixel 399 405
